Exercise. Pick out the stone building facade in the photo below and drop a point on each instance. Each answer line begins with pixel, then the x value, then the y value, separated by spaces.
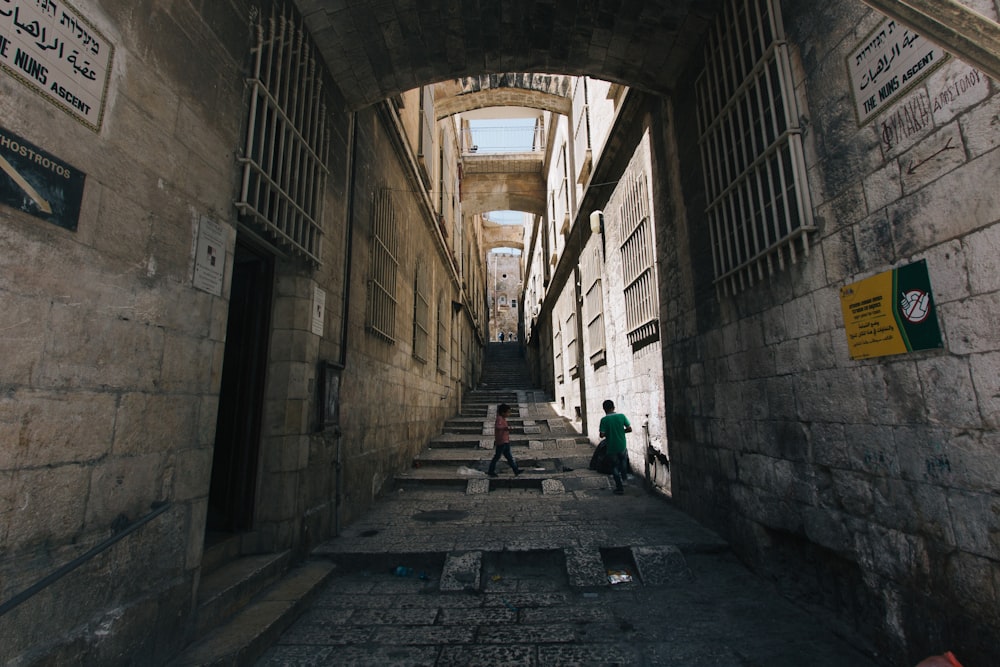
pixel 504 293
pixel 229 366
pixel 863 483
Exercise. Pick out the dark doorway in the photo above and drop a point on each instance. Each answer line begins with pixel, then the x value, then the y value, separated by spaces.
pixel 237 433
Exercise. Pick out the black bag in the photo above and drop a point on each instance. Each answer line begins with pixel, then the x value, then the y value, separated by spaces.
pixel 600 461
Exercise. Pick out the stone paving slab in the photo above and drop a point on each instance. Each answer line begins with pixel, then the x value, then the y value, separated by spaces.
pixel 515 573
pixel 585 567
pixel 660 565
pixel 721 616
pixel 462 571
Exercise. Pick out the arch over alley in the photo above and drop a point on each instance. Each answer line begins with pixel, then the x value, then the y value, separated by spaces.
pixel 377 51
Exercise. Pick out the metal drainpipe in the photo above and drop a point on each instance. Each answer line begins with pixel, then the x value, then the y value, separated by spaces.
pixel 348 245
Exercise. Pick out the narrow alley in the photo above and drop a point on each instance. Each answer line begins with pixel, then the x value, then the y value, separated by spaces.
pixel 455 568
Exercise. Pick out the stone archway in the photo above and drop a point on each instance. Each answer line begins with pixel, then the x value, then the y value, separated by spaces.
pixel 375 54
pixel 534 91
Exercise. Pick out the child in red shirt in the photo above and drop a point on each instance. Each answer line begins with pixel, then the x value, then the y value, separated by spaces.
pixel 501 442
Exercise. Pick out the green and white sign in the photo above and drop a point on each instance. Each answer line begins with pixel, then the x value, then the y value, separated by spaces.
pixel 891 313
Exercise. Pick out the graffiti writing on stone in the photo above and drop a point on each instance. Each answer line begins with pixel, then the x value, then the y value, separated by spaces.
pixel 906 120
pixel 916 114
pixel 937 466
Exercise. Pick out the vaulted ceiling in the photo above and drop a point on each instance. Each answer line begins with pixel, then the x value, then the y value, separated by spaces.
pixel 378 49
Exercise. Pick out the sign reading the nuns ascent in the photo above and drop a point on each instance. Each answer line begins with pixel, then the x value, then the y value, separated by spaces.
pixel 891 313
pixel 886 64
pixel 51 48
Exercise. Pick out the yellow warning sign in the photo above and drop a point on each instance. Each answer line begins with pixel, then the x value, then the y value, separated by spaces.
pixel 890 313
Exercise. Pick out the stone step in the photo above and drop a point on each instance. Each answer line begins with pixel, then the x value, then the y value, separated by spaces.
pixel 227 589
pixel 245 637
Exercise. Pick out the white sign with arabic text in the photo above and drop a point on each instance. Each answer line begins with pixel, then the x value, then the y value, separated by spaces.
pixel 884 66
pixel 49 46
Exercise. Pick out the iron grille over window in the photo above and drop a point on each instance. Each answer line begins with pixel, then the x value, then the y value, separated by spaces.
pixel 571 354
pixel 557 356
pixel 759 210
pixel 593 305
pixel 442 336
pixel 381 316
pixel 581 129
pixel 421 315
pixel 284 161
pixel 641 304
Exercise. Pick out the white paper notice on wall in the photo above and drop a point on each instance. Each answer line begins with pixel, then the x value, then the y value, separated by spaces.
pixel 210 257
pixel 318 310
pixel 886 64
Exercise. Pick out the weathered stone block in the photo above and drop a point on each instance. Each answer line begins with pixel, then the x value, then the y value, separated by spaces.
pixel 872 449
pixel 147 423
pixel 190 365
pixel 986 379
pixel 100 349
pixel 975 522
pixel 827 395
pixel 883 186
pixel 946 266
pixel 44 505
pixel 828 529
pixel 955 87
pixel 979 127
pixel 124 485
pixel 970 324
pixel 829 445
pixel 933 157
pixel 23 348
pixel 853 492
pixel 41 428
pixel 951 401
pixel 192 472
pixel 947 208
pixel 893 392
pixel 462 570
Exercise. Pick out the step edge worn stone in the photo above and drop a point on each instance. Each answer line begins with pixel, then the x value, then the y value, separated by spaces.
pixel 265 619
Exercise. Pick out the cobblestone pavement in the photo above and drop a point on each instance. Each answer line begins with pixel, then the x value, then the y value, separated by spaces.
pixel 519 575
pixel 454 568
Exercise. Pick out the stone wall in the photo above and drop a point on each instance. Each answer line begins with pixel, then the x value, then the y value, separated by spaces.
pixel 110 359
pixel 864 486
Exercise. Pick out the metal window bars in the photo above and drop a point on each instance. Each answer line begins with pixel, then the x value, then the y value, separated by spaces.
pixel 638 270
pixel 593 305
pixel 759 209
pixel 287 142
pixel 421 315
pixel 380 318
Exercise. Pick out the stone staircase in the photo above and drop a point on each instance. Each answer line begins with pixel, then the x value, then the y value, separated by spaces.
pixel 553 456
pixel 247 601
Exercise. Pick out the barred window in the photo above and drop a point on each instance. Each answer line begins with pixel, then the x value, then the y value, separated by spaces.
pixel 442 335
pixel 639 271
pixel 581 129
pixel 593 305
pixel 287 143
pixel 380 319
pixel 571 344
pixel 421 314
pixel 759 211
pixel 557 352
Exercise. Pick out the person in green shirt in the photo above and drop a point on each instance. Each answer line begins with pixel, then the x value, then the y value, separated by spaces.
pixel 613 428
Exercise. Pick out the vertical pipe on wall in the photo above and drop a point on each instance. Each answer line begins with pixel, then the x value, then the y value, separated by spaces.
pixel 352 162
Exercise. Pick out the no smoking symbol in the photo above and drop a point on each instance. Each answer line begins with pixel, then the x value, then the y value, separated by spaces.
pixel 915 305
